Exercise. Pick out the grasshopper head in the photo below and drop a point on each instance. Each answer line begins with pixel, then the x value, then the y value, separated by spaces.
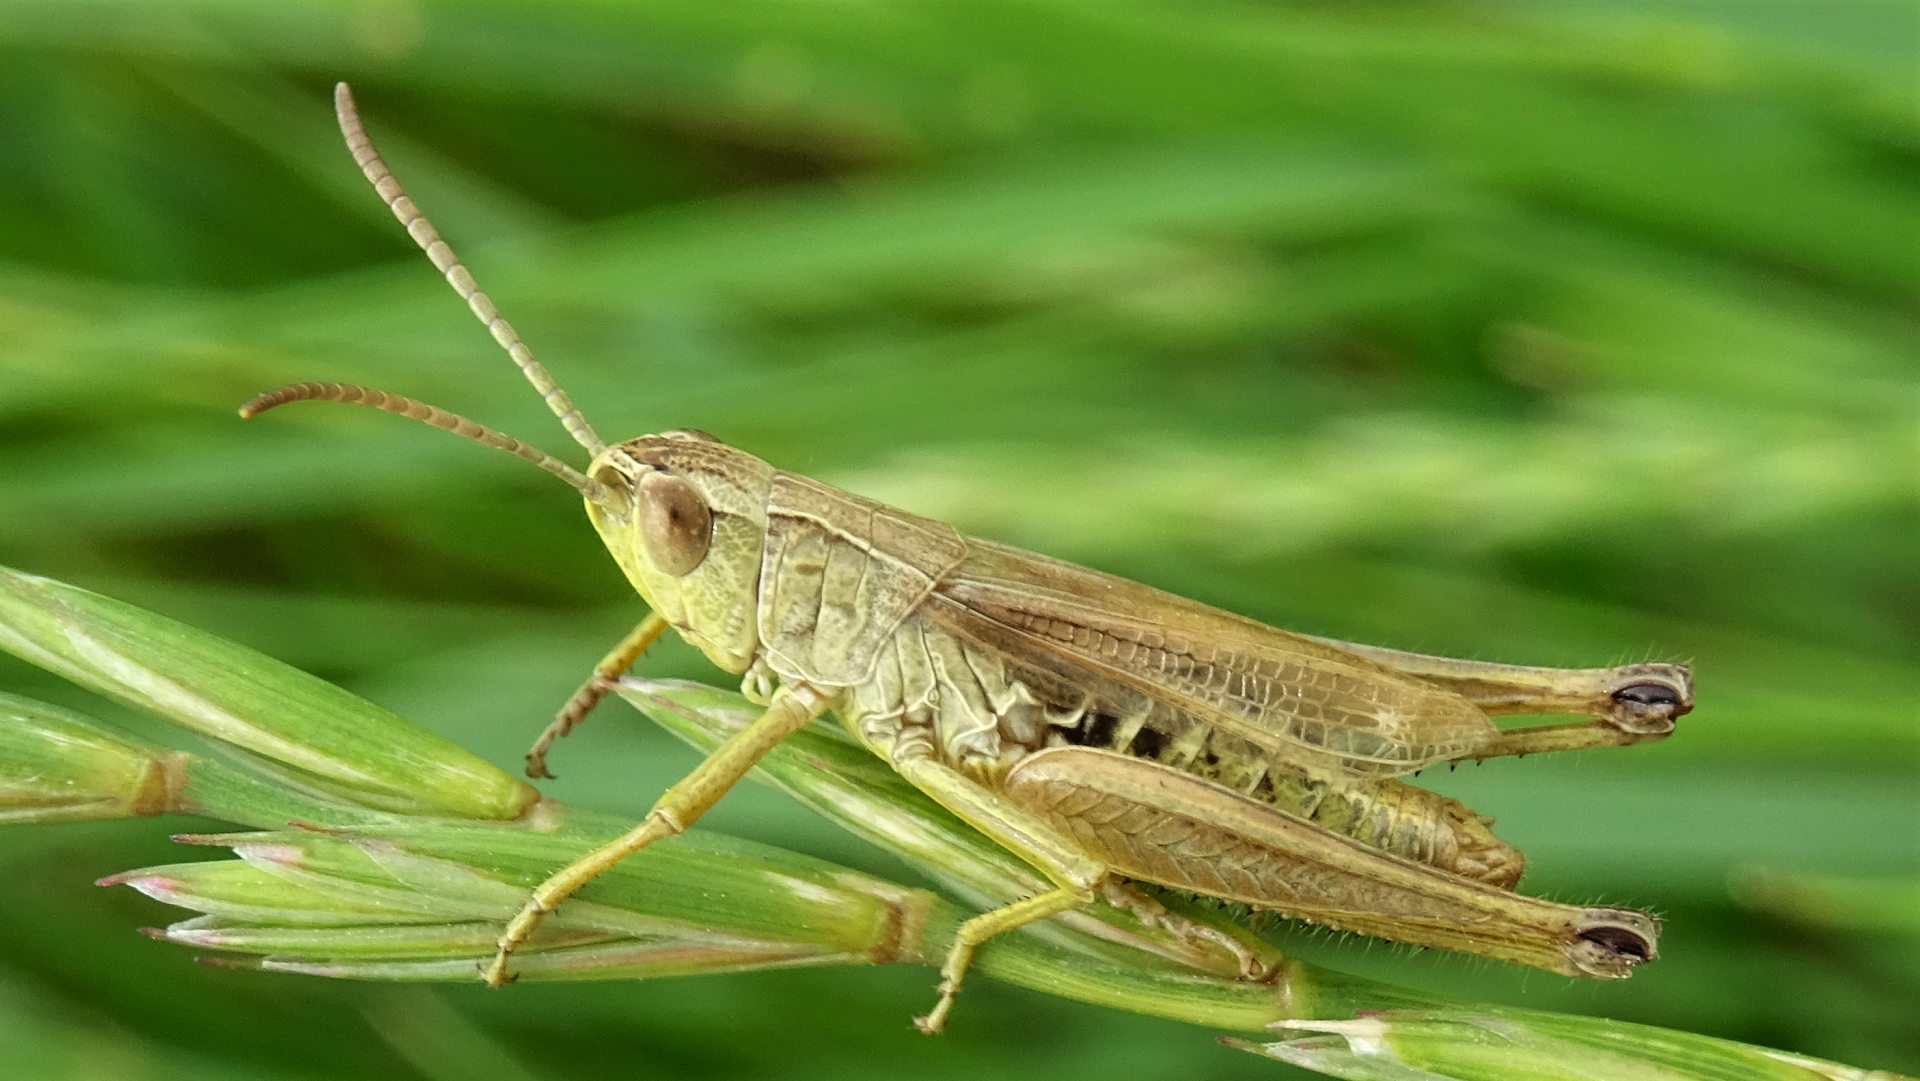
pixel 685 516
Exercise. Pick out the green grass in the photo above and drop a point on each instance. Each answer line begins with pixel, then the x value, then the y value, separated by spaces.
pixel 1560 334
pixel 383 853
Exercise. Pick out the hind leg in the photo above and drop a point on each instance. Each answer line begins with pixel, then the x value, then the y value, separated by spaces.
pixel 1630 704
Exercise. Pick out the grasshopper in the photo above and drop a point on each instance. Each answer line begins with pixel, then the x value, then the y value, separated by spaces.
pixel 1103 731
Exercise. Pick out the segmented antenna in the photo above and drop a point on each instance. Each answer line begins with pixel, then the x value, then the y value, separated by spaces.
pixel 353 394
pixel 428 238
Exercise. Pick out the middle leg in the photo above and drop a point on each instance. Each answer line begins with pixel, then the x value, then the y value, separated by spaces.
pixel 1076 876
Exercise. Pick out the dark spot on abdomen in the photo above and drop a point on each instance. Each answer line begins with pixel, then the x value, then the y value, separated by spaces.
pixel 1098 730
pixel 1148 743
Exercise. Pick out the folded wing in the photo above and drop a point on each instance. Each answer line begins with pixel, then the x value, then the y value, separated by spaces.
pixel 1315 704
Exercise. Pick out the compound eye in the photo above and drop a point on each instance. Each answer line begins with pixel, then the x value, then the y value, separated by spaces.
pixel 675 524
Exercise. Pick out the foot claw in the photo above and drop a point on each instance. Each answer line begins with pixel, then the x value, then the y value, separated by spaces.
pixel 935 1020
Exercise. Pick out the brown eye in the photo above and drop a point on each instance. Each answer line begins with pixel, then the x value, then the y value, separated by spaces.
pixel 675 523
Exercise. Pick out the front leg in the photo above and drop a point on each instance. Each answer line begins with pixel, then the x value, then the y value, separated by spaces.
pixel 611 668
pixel 677 809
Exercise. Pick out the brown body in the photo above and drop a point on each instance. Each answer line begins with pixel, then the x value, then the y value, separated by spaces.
pixel 1003 653
pixel 1049 685
pixel 1098 729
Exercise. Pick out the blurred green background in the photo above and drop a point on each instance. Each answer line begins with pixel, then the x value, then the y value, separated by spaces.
pixel 1556 333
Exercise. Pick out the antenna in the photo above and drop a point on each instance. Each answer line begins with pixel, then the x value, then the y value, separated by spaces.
pixel 428 238
pixel 353 394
